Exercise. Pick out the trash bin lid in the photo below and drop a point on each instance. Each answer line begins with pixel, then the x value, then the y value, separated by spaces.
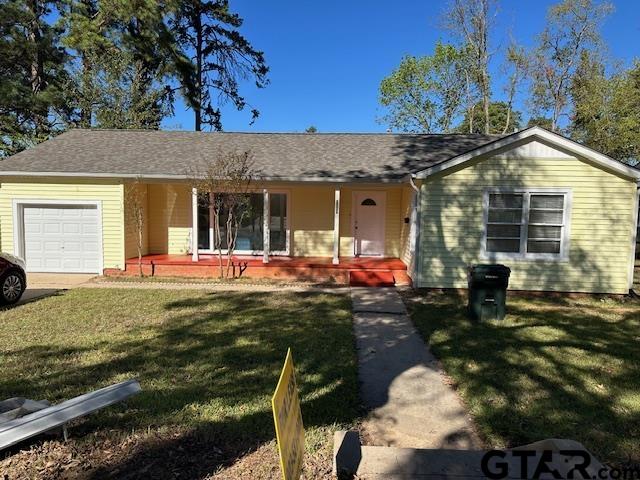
pixel 485 269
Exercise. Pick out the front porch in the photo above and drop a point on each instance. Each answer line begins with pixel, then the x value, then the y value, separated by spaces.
pixel 344 233
pixel 364 271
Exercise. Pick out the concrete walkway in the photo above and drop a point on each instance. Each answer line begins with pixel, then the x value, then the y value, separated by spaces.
pixel 401 382
pixel 58 281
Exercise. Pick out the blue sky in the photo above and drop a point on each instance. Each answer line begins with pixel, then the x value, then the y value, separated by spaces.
pixel 327 57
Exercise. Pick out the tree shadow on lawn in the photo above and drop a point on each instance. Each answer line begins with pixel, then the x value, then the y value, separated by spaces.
pixel 562 369
pixel 208 371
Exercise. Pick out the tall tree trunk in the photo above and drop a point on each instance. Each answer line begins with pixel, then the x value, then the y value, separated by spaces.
pixel 87 98
pixel 555 115
pixel 484 44
pixel 197 25
pixel 485 104
pixel 86 103
pixel 506 124
pixel 37 71
pixel 469 100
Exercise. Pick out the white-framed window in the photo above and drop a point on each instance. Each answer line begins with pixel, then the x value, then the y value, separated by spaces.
pixel 526 224
pixel 250 240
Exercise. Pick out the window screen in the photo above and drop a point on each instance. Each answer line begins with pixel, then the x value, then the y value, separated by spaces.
pixel 504 226
pixel 525 223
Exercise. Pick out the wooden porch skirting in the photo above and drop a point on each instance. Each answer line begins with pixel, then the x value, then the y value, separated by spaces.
pixel 313 269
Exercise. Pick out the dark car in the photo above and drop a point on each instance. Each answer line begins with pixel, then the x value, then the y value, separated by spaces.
pixel 13 279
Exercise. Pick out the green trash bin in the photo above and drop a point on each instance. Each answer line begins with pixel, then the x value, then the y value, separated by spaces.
pixel 488 291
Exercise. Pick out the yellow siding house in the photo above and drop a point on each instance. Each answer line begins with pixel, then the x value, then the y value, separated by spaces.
pixel 561 216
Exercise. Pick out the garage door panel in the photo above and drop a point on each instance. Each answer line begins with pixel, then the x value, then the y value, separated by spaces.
pixel 73 248
pixel 36 263
pixel 89 229
pixel 72 212
pixel 33 228
pixel 91 247
pixel 71 228
pixel 51 228
pixel 92 265
pixel 34 246
pixel 51 213
pixel 52 263
pixel 62 238
pixel 72 264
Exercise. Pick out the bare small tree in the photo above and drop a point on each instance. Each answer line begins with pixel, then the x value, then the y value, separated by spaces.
pixel 224 183
pixel 471 21
pixel 135 205
pixel 573 27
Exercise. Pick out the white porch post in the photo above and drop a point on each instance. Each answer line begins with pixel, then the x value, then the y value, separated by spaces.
pixel 194 224
pixel 266 229
pixel 336 228
pixel 415 268
pixel 413 231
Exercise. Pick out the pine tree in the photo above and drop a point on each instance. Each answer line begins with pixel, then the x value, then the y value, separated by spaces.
pixel 222 58
pixel 125 59
pixel 32 75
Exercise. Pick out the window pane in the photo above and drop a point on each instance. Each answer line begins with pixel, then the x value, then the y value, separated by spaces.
pixel 547 201
pixel 536 231
pixel 509 246
pixel 250 230
pixel 505 200
pixel 543 246
pixel 545 216
pixel 505 216
pixel 204 241
pixel 503 231
pixel 278 223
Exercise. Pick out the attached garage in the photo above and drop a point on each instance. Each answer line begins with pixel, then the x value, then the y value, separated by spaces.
pixel 63 225
pixel 63 237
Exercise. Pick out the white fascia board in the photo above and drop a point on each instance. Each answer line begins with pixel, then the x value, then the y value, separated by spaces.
pixel 535 132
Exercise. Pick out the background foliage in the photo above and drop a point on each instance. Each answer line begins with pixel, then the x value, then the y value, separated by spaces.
pixel 118 64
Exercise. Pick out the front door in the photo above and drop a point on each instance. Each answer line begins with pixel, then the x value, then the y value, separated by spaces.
pixel 368 223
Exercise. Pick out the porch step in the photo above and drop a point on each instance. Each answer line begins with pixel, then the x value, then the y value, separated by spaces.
pixel 563 456
pixel 371 278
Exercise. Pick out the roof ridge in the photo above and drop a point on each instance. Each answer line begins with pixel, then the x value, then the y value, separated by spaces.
pixel 415 134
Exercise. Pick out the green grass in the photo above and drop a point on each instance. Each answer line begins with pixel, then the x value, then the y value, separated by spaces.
pixel 207 362
pixel 556 367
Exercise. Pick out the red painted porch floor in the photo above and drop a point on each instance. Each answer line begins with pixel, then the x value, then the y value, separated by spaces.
pixel 358 263
pixel 368 271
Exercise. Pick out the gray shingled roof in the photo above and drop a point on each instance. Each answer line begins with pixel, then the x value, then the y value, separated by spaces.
pixel 287 156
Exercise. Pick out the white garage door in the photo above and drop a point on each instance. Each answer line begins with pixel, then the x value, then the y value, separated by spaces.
pixel 62 238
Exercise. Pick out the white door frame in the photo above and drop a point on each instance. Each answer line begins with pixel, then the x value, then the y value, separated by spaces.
pixel 354 214
pixel 18 223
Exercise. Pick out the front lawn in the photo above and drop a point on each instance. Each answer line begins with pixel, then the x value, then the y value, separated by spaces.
pixel 208 364
pixel 555 368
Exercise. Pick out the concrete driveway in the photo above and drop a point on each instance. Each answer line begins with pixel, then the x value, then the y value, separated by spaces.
pixel 45 284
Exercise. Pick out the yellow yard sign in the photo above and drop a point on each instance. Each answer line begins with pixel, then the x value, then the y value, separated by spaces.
pixel 288 419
